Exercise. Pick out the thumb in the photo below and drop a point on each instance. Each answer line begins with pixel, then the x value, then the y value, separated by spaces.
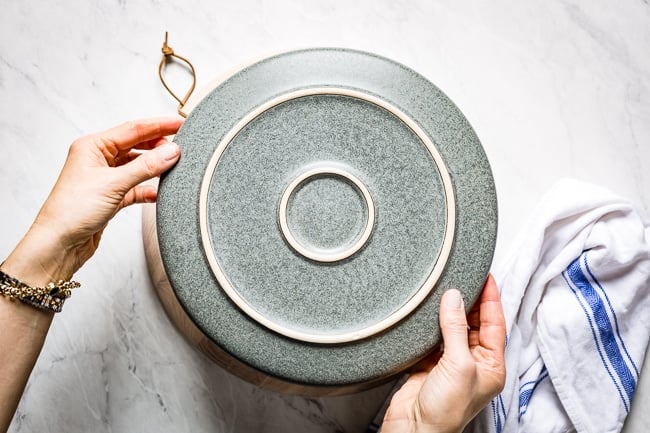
pixel 453 324
pixel 150 164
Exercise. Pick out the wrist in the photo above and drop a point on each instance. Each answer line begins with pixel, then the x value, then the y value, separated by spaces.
pixel 40 258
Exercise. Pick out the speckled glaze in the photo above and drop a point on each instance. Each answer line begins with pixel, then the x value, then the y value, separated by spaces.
pixel 327 212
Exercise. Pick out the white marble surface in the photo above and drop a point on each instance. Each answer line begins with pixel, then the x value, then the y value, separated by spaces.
pixel 553 89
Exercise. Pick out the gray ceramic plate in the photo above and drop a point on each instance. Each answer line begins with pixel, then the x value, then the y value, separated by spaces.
pixel 324 201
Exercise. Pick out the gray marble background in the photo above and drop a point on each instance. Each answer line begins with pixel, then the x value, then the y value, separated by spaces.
pixel 553 89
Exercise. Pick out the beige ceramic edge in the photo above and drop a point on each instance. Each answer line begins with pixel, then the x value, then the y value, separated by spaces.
pixel 197 96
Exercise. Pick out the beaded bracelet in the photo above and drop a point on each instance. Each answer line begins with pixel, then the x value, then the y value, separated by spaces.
pixel 51 297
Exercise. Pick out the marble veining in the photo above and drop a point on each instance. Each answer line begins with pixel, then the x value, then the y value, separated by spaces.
pixel 552 89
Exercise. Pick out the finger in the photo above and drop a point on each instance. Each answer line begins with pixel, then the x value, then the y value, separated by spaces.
pixel 130 154
pixel 130 134
pixel 474 316
pixel 137 150
pixel 453 325
pixel 150 144
pixel 139 194
pixel 492 332
pixel 126 158
pixel 474 325
pixel 149 164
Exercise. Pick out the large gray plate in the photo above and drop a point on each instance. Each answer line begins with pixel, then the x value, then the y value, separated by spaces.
pixel 400 206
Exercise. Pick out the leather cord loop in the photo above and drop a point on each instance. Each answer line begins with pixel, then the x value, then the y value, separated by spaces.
pixel 168 56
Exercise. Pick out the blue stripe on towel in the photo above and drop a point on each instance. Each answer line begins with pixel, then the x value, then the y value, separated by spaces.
pixel 527 389
pixel 497 426
pixel 613 312
pixel 498 408
pixel 602 331
pixel 609 373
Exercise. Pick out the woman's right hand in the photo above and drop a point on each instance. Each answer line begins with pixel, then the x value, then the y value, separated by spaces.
pixel 446 395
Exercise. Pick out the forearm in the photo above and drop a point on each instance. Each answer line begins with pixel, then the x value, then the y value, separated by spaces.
pixel 23 331
pixel 23 328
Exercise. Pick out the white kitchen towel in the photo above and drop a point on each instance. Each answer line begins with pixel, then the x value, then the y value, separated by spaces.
pixel 576 297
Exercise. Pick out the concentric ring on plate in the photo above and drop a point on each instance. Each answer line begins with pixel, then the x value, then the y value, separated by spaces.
pixel 295 332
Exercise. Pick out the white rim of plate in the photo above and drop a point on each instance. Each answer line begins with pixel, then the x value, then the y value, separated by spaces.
pixel 334 254
pixel 394 317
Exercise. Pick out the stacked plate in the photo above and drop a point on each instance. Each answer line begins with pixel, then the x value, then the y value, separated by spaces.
pixel 324 201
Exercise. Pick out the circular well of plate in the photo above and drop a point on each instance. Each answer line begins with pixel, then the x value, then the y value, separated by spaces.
pixel 326 214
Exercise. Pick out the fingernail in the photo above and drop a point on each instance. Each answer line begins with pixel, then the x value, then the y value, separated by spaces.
pixel 453 299
pixel 169 151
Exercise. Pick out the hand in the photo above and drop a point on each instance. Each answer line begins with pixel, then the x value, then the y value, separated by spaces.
pixel 444 397
pixel 101 176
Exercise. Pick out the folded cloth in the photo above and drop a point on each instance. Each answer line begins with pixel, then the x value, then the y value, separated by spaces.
pixel 575 292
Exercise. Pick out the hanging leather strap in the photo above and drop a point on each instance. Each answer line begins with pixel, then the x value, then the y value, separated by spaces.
pixel 168 56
